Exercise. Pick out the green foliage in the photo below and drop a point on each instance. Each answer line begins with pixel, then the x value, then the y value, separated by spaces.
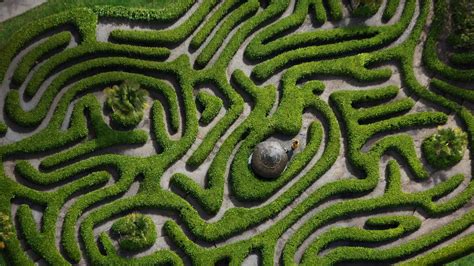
pixel 462 14
pixel 445 148
pixel 3 128
pixel 366 8
pixel 212 22
pixel 430 52
pixel 169 36
pixel 135 232
pixel 2 259
pixel 464 261
pixel 211 106
pixel 390 9
pixel 318 44
pixel 246 10
pixel 127 102
pixel 163 10
pixel 93 50
pixel 53 44
pixel 83 19
pixel 6 229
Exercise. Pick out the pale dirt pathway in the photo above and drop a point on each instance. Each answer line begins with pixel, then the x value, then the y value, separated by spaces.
pixel 12 8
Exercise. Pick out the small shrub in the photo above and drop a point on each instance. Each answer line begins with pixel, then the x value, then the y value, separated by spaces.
pixel 127 102
pixel 445 148
pixel 5 229
pixel 366 8
pixel 462 35
pixel 136 232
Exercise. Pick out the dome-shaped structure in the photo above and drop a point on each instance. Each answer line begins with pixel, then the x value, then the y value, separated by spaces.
pixel 269 159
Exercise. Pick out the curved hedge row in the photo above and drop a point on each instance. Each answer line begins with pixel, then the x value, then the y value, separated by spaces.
pixel 211 106
pixel 315 45
pixel 164 37
pixel 55 43
pixel 83 19
pixel 430 54
pixel 390 9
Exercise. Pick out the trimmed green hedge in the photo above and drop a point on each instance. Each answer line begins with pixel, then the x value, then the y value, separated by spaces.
pixel 430 54
pixel 211 106
pixel 390 9
pixel 53 44
pixel 135 231
pixel 164 37
pixel 92 51
pixel 84 21
pixel 367 8
pixel 245 11
pixel 303 47
pixel 462 35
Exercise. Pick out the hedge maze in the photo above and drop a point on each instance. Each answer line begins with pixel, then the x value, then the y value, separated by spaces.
pixel 360 88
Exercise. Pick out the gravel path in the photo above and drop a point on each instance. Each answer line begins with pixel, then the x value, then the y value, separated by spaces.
pixel 12 8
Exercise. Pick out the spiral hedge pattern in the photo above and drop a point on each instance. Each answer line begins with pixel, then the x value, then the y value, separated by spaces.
pixel 360 93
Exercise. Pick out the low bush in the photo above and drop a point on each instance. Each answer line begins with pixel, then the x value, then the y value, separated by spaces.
pixel 462 36
pixel 127 102
pixel 366 8
pixel 135 232
pixel 445 148
pixel 6 229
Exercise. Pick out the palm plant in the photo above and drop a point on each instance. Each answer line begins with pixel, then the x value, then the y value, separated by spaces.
pixel 135 231
pixel 127 102
pixel 445 148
